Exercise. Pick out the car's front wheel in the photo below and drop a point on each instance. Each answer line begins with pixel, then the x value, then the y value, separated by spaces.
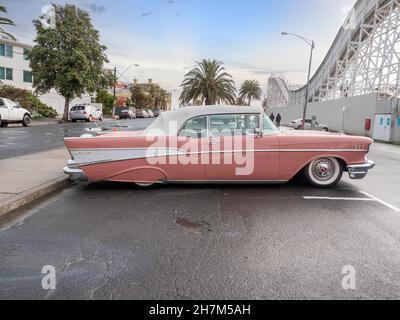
pixel 324 172
pixel 26 121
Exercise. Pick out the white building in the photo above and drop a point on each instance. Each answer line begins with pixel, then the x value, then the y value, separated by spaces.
pixel 15 70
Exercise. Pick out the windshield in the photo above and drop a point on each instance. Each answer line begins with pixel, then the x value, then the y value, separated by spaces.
pixel 268 126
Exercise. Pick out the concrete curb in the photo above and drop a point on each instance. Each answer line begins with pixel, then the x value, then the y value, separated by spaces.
pixel 32 194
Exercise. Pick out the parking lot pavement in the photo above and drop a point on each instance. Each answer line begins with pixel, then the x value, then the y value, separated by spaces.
pixel 116 241
pixel 18 141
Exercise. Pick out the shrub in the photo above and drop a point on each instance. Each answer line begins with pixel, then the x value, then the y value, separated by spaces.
pixel 106 99
pixel 27 100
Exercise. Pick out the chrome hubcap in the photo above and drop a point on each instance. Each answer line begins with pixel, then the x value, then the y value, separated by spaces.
pixel 323 169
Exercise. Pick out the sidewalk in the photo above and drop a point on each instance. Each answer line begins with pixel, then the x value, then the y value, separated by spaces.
pixel 27 178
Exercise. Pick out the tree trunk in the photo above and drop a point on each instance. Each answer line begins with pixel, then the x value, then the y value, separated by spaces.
pixel 66 109
pixel 249 101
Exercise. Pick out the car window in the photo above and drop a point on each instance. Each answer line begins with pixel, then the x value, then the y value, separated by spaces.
pixel 195 128
pixel 223 125
pixel 268 125
pixel 235 124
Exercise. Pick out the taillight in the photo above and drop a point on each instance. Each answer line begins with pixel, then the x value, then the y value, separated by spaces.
pixel 84 112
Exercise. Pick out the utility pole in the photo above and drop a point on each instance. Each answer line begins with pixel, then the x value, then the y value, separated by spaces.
pixel 115 82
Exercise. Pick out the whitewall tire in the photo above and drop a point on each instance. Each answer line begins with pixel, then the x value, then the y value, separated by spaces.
pixel 324 172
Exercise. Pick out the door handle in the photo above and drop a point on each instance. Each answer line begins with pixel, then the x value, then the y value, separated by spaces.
pixel 212 141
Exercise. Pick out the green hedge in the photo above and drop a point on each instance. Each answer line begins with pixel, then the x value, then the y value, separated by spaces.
pixel 28 101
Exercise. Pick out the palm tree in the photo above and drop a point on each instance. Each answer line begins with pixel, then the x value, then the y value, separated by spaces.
pixel 208 83
pixel 5 21
pixel 249 90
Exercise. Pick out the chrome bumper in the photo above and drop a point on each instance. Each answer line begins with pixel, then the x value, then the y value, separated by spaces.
pixel 74 172
pixel 359 171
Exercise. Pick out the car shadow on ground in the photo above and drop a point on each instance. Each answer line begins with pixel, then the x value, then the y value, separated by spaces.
pixel 294 186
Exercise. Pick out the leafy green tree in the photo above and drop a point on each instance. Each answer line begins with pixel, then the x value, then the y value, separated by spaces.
pixel 152 96
pixel 250 90
pixel 141 98
pixel 5 21
pixel 69 57
pixel 107 99
pixel 208 83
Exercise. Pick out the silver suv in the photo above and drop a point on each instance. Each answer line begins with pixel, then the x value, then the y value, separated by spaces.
pixel 87 113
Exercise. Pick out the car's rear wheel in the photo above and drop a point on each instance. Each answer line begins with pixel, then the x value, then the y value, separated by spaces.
pixel 325 129
pixel 26 121
pixel 324 172
pixel 3 124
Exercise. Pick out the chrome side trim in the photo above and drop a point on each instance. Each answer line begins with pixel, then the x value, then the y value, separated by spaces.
pixel 359 171
pixel 257 150
pixel 83 157
pixel 227 181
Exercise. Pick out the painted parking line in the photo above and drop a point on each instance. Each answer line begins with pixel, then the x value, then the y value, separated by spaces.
pixel 338 198
pixel 370 198
pixel 388 205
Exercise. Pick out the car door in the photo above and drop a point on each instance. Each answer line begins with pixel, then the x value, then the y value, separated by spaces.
pixel 4 112
pixel 237 153
pixel 191 143
pixel 15 113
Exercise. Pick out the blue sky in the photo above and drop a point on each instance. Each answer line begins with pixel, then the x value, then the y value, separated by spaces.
pixel 166 36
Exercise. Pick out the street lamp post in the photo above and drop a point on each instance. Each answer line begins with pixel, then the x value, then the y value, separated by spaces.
pixel 312 46
pixel 121 75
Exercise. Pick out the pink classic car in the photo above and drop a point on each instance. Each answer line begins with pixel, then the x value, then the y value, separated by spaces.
pixel 217 144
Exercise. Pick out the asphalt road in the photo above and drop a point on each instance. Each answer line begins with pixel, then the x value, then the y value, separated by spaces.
pixel 18 141
pixel 114 241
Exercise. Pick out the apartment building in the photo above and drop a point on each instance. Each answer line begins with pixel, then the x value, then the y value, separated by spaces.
pixel 15 70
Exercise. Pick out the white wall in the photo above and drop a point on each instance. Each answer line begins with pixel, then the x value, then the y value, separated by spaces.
pixel 56 101
pixel 358 109
pixel 19 64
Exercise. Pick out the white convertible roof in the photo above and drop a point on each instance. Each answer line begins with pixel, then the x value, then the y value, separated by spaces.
pixel 168 123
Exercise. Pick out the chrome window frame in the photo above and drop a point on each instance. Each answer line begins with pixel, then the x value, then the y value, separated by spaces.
pixel 260 122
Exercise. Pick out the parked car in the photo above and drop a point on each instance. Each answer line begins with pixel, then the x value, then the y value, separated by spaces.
pixel 11 112
pixel 209 135
pixel 156 112
pixel 296 124
pixel 127 114
pixel 150 113
pixel 87 113
pixel 142 113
